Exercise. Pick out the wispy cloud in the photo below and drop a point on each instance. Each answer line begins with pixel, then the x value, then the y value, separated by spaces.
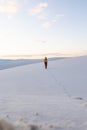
pixel 51 22
pixel 8 6
pixel 42 16
pixel 7 37
pixel 47 24
pixel 43 42
pixel 40 42
pixel 59 15
pixel 38 10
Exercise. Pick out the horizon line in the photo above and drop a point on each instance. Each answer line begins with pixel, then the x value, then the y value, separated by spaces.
pixel 40 56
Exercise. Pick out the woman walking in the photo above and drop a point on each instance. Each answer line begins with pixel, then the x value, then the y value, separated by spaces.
pixel 45 62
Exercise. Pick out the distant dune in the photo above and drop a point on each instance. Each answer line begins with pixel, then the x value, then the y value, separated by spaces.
pixel 8 63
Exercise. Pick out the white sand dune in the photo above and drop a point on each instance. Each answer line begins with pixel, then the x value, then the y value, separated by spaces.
pixel 34 98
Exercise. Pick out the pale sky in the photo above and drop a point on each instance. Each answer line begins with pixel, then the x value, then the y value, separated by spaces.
pixel 43 26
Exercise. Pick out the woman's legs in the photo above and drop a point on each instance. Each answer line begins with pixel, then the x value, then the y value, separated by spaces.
pixel 45 65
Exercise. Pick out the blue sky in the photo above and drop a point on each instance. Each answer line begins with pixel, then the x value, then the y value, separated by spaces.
pixel 43 26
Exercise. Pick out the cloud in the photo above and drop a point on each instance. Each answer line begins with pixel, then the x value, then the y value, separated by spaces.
pixel 43 42
pixel 40 42
pixel 7 37
pixel 8 6
pixel 58 16
pixel 47 24
pixel 39 9
pixel 42 16
pixel 39 12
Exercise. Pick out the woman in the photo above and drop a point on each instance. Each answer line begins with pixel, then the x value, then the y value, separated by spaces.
pixel 45 62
